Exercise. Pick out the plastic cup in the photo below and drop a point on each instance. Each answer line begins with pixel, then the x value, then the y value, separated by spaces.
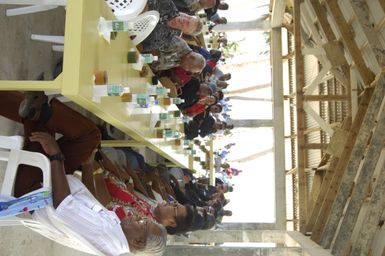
pixel 100 77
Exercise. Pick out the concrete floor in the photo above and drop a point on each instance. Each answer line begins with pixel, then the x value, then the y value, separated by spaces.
pixel 21 59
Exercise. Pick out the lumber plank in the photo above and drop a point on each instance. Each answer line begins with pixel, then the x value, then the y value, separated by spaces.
pixel 329 195
pixel 354 159
pixel 300 81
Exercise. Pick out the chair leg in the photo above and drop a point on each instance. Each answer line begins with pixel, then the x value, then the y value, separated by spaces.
pixel 29 9
pixel 58 48
pixel 50 39
pixel 34 2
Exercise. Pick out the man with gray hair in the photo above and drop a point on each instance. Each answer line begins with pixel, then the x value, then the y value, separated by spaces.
pixel 73 204
pixel 178 53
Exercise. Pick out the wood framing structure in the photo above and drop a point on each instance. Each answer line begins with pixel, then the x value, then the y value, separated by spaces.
pixel 339 133
pixel 339 52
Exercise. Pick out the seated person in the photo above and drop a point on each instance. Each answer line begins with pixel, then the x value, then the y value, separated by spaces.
pixel 178 53
pixel 215 109
pixel 218 20
pixel 111 182
pixel 171 23
pixel 73 203
pixel 200 106
pixel 202 125
pixel 192 92
pixel 212 13
pixel 192 6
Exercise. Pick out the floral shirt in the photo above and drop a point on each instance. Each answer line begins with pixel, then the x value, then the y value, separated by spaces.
pixel 169 56
pixel 124 203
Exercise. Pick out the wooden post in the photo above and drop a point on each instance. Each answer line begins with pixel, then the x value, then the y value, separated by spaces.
pixel 361 185
pixel 351 169
pixel 299 71
pixel 329 195
pixel 278 122
pixel 348 38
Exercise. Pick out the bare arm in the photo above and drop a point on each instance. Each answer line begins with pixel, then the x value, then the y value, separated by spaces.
pixel 87 173
pixel 60 187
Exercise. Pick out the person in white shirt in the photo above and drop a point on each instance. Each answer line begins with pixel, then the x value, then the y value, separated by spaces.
pixel 73 204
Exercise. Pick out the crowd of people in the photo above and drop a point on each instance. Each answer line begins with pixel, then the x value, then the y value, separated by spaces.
pixel 185 63
pixel 121 204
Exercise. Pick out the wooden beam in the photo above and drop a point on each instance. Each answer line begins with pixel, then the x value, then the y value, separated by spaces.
pixel 317 80
pixel 325 97
pixel 373 214
pixel 300 81
pixel 330 193
pixel 361 11
pixel 325 126
pixel 327 179
pixel 279 7
pixel 320 11
pixel 321 14
pixel 382 3
pixel 354 160
pixel 361 185
pixel 315 146
pixel 349 41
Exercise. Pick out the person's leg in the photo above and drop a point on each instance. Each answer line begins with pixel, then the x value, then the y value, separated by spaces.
pixel 28 178
pixel 80 135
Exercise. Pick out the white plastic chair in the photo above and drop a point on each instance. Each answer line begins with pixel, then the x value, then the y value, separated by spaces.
pixel 35 6
pixel 142 26
pixel 51 227
pixel 126 9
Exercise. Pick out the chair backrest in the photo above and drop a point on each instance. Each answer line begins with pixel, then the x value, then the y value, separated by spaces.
pixel 48 225
pixel 142 26
pixel 16 157
pixel 126 9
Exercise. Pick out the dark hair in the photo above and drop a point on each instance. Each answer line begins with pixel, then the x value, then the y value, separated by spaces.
pixel 184 224
pixel 220 95
pixel 218 105
pixel 224 6
pixel 215 54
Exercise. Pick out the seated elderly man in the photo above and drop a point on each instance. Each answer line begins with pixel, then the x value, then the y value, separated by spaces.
pixel 178 53
pixel 171 23
pixel 192 6
pixel 73 203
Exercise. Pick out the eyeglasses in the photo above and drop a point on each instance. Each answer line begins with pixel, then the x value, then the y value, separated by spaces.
pixel 145 223
pixel 176 205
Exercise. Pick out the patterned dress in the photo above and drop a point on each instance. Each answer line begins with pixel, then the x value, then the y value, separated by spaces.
pixel 124 203
pixel 162 34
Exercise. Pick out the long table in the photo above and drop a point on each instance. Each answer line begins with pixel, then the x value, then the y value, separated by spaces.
pixel 85 51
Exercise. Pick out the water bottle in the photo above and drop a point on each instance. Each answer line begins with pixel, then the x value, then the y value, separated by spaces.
pixel 107 90
pixel 115 25
pixel 149 58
